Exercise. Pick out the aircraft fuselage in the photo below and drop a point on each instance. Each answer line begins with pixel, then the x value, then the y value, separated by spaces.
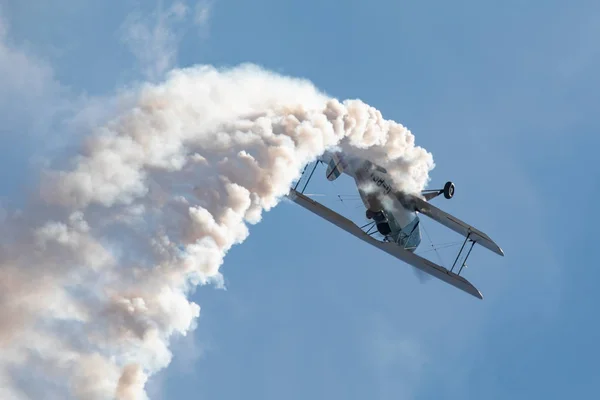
pixel 395 222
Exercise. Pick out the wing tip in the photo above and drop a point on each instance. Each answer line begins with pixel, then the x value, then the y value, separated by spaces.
pixel 499 251
pixel 473 291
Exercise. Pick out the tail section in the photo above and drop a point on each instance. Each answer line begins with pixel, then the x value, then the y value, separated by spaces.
pixel 335 167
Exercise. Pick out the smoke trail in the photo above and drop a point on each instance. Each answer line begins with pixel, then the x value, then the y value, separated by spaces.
pixel 94 275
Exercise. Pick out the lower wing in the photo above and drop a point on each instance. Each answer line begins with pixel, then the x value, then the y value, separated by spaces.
pixel 391 248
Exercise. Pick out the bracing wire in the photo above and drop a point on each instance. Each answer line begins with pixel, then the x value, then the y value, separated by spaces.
pixel 433 247
pixel 441 246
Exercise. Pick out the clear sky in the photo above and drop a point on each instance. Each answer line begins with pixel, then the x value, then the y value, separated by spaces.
pixel 504 94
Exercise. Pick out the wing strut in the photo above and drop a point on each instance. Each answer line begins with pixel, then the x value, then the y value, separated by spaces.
pixel 464 260
pixel 309 177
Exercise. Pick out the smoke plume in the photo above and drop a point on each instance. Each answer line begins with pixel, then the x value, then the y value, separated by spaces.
pixel 95 272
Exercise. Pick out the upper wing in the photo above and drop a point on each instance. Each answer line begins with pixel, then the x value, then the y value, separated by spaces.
pixel 449 221
pixel 390 248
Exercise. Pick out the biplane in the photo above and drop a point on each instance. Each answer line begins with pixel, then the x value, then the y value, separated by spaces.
pixel 395 216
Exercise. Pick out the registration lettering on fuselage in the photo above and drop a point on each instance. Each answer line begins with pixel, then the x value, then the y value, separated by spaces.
pixel 380 182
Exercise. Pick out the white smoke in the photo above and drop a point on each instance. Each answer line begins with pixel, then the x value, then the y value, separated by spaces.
pixel 95 274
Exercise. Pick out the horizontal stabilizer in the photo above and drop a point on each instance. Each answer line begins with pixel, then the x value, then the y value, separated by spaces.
pixel 455 224
pixel 391 248
pixel 335 167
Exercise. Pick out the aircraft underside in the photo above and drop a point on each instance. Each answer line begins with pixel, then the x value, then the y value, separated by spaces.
pixel 394 214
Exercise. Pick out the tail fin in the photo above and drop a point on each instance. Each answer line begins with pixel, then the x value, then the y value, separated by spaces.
pixel 334 168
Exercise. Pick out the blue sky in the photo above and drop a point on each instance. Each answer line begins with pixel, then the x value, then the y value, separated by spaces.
pixel 502 93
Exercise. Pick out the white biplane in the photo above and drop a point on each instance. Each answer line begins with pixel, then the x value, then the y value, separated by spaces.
pixel 394 215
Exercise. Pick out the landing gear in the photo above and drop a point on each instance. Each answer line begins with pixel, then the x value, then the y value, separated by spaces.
pixel 381 221
pixel 384 228
pixel 375 215
pixel 449 190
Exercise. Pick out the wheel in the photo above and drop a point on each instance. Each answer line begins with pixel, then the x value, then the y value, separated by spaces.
pixel 384 228
pixel 370 214
pixel 449 190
